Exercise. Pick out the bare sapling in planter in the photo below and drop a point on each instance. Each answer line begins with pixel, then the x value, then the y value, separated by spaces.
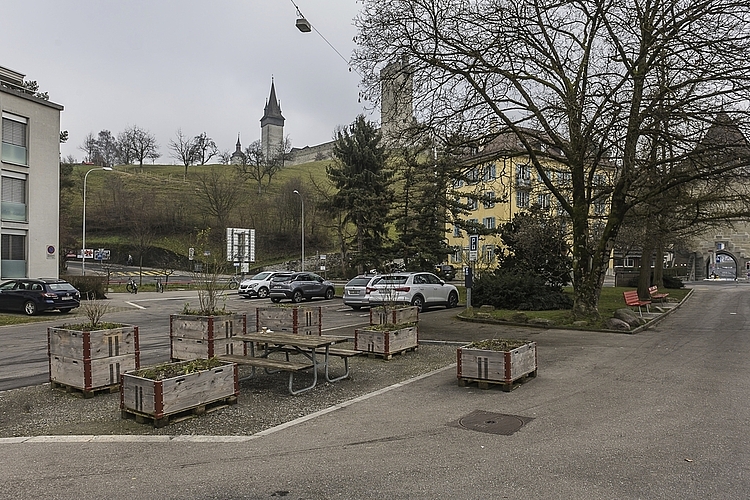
pixel 90 357
pixel 208 330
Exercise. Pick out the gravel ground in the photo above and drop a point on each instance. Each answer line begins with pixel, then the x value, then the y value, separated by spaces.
pixel 263 402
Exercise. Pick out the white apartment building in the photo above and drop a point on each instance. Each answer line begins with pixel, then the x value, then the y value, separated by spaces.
pixel 29 181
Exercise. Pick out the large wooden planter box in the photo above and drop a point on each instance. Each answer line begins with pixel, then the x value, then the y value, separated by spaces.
pixel 91 361
pixel 401 315
pixel 300 320
pixel 203 337
pixel 386 343
pixel 159 399
pixel 503 367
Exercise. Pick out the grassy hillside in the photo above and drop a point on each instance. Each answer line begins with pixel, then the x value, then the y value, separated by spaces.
pixel 169 208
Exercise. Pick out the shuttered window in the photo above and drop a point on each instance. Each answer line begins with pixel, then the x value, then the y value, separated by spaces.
pixel 14 139
pixel 14 132
pixel 13 199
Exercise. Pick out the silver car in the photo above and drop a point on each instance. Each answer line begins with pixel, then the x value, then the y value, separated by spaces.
pixel 356 293
pixel 418 289
pixel 259 285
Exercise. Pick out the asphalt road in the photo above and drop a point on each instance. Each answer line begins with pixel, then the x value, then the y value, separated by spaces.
pixel 660 414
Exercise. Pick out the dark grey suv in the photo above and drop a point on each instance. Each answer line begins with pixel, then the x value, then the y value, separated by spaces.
pixel 300 286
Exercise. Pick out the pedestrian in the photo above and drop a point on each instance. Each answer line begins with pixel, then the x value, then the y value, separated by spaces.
pixel 130 260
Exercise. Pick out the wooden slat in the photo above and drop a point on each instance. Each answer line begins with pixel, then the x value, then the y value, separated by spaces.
pixel 273 364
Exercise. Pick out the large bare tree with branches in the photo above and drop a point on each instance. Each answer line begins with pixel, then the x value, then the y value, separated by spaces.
pixel 596 83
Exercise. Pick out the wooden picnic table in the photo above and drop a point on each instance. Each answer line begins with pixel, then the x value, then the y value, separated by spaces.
pixel 308 346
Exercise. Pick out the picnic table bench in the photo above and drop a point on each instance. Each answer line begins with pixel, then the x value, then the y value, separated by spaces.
pixel 653 291
pixel 632 300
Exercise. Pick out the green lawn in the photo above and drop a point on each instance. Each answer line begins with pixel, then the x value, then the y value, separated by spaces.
pixel 609 301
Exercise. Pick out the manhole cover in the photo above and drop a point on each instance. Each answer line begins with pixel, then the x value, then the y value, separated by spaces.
pixel 491 423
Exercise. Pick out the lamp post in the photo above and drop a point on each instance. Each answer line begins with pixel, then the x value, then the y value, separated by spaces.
pixel 303 227
pixel 83 252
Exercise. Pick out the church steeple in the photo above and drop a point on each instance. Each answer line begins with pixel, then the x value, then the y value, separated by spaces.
pixel 272 112
pixel 238 147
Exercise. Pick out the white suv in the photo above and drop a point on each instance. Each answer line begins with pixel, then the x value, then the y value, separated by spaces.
pixel 258 285
pixel 418 289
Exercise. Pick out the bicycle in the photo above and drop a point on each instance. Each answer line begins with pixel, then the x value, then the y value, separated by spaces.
pixel 234 282
pixel 132 286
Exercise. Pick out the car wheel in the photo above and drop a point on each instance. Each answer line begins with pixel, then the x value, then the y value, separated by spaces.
pixel 297 297
pixel 330 293
pixel 275 300
pixel 452 300
pixel 65 311
pixel 262 292
pixel 418 301
pixel 29 308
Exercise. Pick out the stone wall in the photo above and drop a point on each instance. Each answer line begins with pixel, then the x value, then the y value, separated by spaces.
pixel 311 153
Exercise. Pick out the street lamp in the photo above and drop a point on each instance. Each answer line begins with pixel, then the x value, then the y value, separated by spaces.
pixel 303 227
pixel 83 252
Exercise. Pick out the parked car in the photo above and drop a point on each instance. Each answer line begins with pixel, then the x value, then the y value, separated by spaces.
pixel 418 289
pixel 356 294
pixel 33 296
pixel 299 286
pixel 258 285
pixel 446 272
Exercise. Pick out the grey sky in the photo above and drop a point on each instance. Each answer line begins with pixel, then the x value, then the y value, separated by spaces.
pixel 189 64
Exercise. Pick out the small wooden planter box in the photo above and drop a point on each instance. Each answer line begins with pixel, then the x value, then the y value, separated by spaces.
pixel 386 343
pixel 380 316
pixel 502 368
pixel 203 337
pixel 157 400
pixel 91 361
pixel 300 320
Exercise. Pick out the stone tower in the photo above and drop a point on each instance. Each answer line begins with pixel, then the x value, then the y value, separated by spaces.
pixel 396 106
pixel 272 126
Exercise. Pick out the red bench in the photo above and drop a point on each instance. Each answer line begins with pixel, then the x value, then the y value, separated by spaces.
pixel 653 291
pixel 632 300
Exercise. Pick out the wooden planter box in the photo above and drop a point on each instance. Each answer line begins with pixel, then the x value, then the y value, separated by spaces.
pixel 386 343
pixel 160 399
pixel 300 320
pixel 91 361
pixel 203 337
pixel 497 367
pixel 380 316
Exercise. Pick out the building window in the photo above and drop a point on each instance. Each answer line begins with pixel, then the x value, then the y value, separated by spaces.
pixel 456 232
pixel 523 175
pixel 457 255
pixel 458 183
pixel 490 173
pixel 522 199
pixel 543 200
pixel 13 255
pixel 14 140
pixel 489 222
pixel 564 178
pixel 489 201
pixel 489 252
pixel 600 207
pixel 628 262
pixel 13 199
pixel 472 176
pixel 472 203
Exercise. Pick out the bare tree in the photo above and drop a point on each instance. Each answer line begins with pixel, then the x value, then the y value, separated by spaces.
pixel 88 146
pixel 205 148
pixel 579 82
pixel 141 143
pixel 218 195
pixel 257 167
pixel 184 150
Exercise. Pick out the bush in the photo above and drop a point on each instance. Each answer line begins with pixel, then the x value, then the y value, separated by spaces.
pixel 91 287
pixel 523 291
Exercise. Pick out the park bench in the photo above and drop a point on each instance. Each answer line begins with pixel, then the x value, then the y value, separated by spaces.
pixel 653 291
pixel 632 300
pixel 272 366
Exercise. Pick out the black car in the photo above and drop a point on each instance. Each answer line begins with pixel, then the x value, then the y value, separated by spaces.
pixel 446 271
pixel 36 295
pixel 299 286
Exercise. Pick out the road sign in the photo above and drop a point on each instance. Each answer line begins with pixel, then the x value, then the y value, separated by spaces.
pixel 88 253
pixel 191 253
pixel 473 242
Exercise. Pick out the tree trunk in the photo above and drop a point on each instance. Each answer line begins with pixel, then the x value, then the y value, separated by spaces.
pixel 659 265
pixel 644 276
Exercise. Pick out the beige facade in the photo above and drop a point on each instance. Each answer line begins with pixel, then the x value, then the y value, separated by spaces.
pixel 29 181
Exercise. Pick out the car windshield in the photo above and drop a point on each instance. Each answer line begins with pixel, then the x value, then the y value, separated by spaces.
pixel 281 277
pixel 392 280
pixel 359 281
pixel 261 276
pixel 61 287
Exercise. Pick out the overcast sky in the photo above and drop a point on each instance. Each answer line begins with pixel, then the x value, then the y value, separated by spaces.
pixel 189 64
